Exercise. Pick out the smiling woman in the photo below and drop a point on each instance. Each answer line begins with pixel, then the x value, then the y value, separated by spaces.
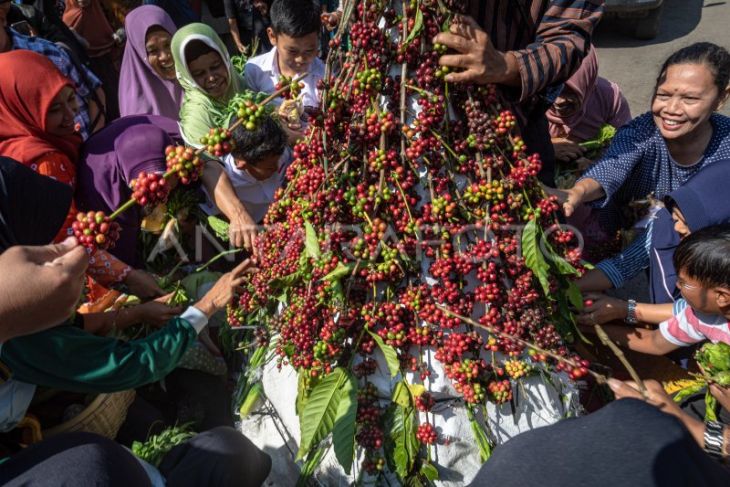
pixel 658 151
pixel 206 75
pixel 61 113
pixel 207 69
pixel 147 83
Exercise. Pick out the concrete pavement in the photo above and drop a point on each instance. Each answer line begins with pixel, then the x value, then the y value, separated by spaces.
pixel 634 64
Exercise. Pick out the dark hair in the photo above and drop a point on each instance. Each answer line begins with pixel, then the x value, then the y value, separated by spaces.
pixel 195 49
pixel 295 18
pixel 705 255
pixel 253 145
pixel 716 58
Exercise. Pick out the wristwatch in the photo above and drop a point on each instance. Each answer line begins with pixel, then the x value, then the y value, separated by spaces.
pixel 714 439
pixel 631 312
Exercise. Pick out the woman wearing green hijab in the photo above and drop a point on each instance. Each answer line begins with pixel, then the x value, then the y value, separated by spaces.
pixel 206 74
pixel 209 80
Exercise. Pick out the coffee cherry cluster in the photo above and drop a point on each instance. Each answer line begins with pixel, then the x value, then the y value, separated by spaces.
pixel 295 87
pixel 516 369
pixel 218 142
pixel 426 434
pixel 451 181
pixel 94 230
pixel 149 189
pixel 500 391
pixel 184 162
pixel 249 112
pixel 425 402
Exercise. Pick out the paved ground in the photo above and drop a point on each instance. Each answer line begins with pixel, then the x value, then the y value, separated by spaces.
pixel 634 64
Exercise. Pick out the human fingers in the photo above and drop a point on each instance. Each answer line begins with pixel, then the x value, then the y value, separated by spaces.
pixel 623 390
pixel 461 61
pixel 464 26
pixel 568 209
pixel 74 262
pixel 235 235
pixel 42 254
pixel 452 41
pixel 245 267
pixel 468 76
pixel 164 299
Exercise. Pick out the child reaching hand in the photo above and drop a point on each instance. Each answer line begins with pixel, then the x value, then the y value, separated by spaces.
pixel 702 261
pixel 256 168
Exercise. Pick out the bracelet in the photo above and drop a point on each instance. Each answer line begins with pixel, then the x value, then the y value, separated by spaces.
pixel 631 312
pixel 714 439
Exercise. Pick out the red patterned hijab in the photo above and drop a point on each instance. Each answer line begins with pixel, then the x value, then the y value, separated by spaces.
pixel 29 84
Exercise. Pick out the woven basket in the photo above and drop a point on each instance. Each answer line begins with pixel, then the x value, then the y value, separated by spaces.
pixel 104 416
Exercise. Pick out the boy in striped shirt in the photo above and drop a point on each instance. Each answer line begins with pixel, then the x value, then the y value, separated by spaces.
pixel 703 264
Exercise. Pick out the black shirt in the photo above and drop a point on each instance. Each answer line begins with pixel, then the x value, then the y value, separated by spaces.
pixel 251 24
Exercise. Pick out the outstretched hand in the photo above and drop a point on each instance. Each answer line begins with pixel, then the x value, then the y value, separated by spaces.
pixel 476 57
pixel 224 289
pixel 40 287
pixel 601 309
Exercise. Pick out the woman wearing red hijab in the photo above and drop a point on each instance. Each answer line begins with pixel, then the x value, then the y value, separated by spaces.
pixel 87 19
pixel 37 109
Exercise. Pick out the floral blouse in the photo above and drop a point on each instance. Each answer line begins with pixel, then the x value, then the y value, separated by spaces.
pixel 103 266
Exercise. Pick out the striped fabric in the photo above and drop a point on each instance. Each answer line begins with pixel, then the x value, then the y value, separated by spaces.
pixel 549 37
pixel 631 261
pixel 687 327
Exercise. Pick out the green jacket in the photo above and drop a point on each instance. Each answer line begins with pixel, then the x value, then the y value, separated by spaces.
pixel 71 359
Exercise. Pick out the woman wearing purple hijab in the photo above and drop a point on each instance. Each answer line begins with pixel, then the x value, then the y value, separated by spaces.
pixel 147 83
pixel 111 159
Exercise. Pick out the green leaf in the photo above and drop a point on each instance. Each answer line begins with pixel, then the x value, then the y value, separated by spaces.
pixel 391 356
pixel 429 471
pixel 417 27
pixel 689 391
pixel 574 296
pixel 318 417
pixel 343 435
pixel 251 400
pixel 193 282
pixel 310 465
pixel 401 395
pixel 710 407
pixel 311 242
pixel 402 447
pixel 533 257
pixel 219 227
pixel 563 266
pixel 714 357
pixel 304 389
pixel 340 271
pixel 287 281
pixel 485 448
pixel 722 378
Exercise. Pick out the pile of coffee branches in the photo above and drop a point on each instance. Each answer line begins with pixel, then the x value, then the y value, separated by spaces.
pixel 411 203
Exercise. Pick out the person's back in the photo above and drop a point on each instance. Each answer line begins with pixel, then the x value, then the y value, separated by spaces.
pixel 294 33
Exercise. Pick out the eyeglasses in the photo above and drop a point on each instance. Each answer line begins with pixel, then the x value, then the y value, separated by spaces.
pixel 683 285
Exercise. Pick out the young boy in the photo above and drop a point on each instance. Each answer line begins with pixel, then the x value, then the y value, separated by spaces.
pixel 294 33
pixel 256 168
pixel 702 261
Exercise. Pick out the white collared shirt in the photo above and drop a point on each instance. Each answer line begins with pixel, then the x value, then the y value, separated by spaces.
pixel 262 74
pixel 255 195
